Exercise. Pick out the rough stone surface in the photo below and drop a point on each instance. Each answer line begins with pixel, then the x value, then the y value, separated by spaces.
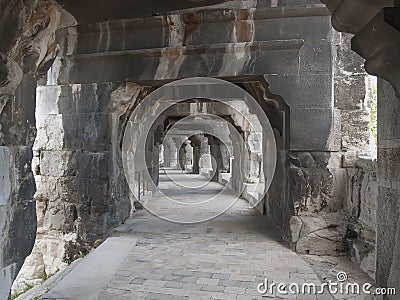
pixel 316 187
pixel 79 197
pixel 319 235
pixel 388 225
pixel 315 91
pixel 28 44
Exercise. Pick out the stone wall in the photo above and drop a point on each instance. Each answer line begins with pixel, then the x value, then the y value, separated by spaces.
pixel 81 188
pixel 27 46
pixel 362 197
pixel 388 213
pixel 332 211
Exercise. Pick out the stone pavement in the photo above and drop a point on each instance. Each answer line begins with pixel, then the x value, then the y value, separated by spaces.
pixel 224 258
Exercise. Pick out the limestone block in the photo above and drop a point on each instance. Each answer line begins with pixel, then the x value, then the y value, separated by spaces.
pixel 92 98
pixel 355 129
pixel 368 264
pixel 389 105
pixel 93 165
pixel 308 90
pixel 316 57
pixel 320 235
pixel 313 186
pixel 389 163
pixel 141 35
pixel 94 130
pixel 5 175
pixel 57 163
pixel 350 159
pixel 50 134
pixel 7 275
pixel 348 61
pixel 308 28
pixel 296 225
pixel 362 193
pixel 46 101
pixel 311 129
pixel 52 188
pixel 388 232
pixel 21 232
pixel 350 91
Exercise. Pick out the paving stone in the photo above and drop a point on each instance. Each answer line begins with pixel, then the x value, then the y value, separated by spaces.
pixel 218 259
pixel 209 281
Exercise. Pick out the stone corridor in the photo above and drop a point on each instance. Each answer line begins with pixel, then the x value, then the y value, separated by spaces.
pixel 223 258
pixel 115 113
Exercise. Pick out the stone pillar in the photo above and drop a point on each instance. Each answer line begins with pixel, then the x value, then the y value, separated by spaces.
pixel 17 184
pixel 215 151
pixel 196 156
pixel 189 153
pixel 388 206
pixel 237 166
pixel 226 158
pixel 156 166
pixel 182 157
pixel 81 187
pixel 152 160
pixel 169 153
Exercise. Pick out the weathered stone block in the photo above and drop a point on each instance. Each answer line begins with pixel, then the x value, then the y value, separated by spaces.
pixel 62 189
pixel 21 233
pixel 355 130
pixel 94 131
pixel 91 98
pixel 94 192
pixel 66 101
pixel 7 275
pixel 308 28
pixel 57 163
pixel 388 237
pixel 350 92
pixel 389 164
pixel 311 129
pixel 140 35
pixel 308 90
pixel 315 187
pixel 18 125
pixel 212 34
pixel 51 133
pixel 47 99
pixel 5 178
pixel 349 62
pixel 93 165
pixel 316 57
pixel 389 106
pixel 320 235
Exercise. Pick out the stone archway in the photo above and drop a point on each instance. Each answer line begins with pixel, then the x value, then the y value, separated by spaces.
pixel 17 148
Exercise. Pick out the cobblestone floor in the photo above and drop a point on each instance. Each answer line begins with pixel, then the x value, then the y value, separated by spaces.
pixel 225 258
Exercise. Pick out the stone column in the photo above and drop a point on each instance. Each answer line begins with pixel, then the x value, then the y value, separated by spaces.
pixel 237 166
pixel 388 212
pixel 17 184
pixel 226 158
pixel 189 153
pixel 182 157
pixel 196 155
pixel 215 151
pixel 169 152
